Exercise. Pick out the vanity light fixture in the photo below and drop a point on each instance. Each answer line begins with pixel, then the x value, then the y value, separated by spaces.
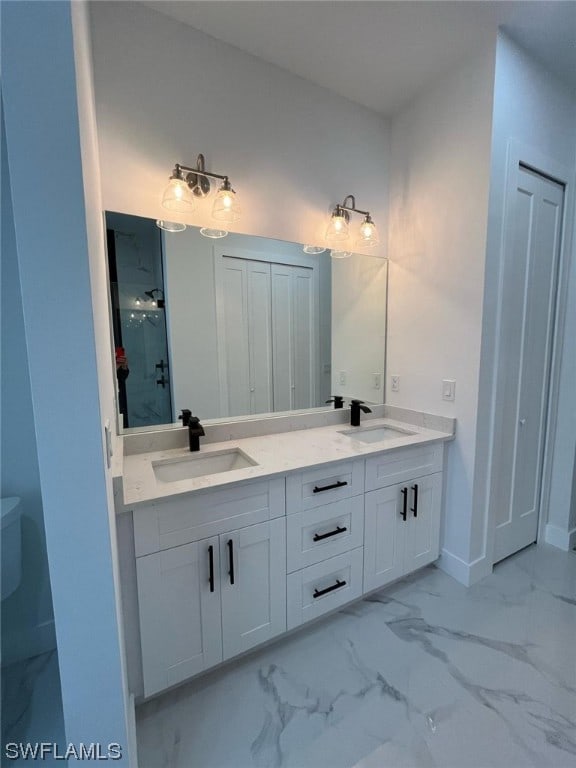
pixel 338 228
pixel 187 185
pixel 170 226
pixel 313 250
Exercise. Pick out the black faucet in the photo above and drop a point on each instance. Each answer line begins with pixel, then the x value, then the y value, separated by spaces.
pixel 355 407
pixel 185 416
pixel 195 432
pixel 338 401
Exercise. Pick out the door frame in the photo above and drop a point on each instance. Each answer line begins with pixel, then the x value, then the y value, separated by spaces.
pixel 520 154
pixel 220 252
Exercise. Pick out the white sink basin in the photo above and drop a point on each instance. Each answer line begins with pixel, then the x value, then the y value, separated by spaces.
pixel 199 464
pixel 376 434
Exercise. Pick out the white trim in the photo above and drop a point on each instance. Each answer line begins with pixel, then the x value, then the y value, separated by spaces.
pixel 557 537
pixel 518 154
pixel 465 573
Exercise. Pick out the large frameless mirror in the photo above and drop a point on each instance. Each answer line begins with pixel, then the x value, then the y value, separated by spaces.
pixel 239 326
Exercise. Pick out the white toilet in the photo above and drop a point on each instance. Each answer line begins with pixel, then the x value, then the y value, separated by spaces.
pixel 11 546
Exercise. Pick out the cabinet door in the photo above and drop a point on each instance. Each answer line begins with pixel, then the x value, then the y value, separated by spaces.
pixel 253 585
pixel 384 536
pixel 179 614
pixel 423 539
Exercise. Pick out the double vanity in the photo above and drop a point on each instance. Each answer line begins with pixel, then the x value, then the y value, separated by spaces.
pixel 272 524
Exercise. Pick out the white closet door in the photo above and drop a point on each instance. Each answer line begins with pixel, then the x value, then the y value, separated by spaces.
pixel 282 323
pixel 304 330
pixel 531 258
pixel 248 337
pixel 260 336
pixel 237 361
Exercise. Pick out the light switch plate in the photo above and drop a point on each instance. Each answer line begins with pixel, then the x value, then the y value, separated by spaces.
pixel 342 378
pixel 448 389
pixel 376 380
pixel 395 383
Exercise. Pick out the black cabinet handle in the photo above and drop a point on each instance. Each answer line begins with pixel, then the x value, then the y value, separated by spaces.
pixel 230 546
pixel 415 507
pixel 320 536
pixel 320 592
pixel 211 562
pixel 404 512
pixel 339 484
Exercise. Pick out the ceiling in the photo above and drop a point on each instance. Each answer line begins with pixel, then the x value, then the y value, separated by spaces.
pixel 381 53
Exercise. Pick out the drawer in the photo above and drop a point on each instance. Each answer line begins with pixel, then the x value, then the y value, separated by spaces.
pixel 323 532
pixel 323 587
pixel 315 487
pixel 404 464
pixel 179 520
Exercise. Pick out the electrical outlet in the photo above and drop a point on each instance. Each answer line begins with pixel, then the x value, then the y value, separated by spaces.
pixel 376 380
pixel 395 383
pixel 448 389
pixel 342 378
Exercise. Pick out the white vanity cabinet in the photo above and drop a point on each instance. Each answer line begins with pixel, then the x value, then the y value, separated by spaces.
pixel 206 601
pixel 220 571
pixel 401 519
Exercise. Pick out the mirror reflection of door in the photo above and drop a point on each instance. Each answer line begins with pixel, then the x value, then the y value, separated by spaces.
pixel 139 320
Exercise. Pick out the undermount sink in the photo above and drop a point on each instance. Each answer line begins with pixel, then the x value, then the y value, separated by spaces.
pixel 198 465
pixel 376 434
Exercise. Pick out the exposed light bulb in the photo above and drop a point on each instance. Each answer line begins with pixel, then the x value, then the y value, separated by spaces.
pixel 137 302
pixel 337 230
pixel 226 207
pixel 177 196
pixel 368 237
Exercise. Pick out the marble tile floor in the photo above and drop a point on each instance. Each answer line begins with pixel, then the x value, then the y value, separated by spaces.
pixel 423 673
pixel 32 705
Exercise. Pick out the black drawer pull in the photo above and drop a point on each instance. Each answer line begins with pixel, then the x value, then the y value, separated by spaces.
pixel 320 592
pixel 339 484
pixel 211 561
pixel 320 536
pixel 231 560
pixel 415 507
pixel 404 512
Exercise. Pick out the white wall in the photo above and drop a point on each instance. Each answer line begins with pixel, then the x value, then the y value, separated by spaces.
pixel 359 326
pixel 532 110
pixel 439 184
pixel 27 618
pixel 43 142
pixel 191 309
pixel 165 92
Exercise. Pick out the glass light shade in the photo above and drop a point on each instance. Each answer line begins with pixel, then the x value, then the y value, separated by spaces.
pixel 337 229
pixel 215 234
pixel 177 197
pixel 226 206
pixel 368 235
pixel 170 226
pixel 340 254
pixel 313 250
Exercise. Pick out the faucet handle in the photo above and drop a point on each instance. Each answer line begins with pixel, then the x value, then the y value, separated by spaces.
pixel 185 416
pixel 356 402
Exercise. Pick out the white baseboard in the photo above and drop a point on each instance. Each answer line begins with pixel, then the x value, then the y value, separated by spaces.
pixel 558 537
pixel 465 573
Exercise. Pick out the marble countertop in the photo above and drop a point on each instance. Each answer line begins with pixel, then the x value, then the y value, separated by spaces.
pixel 274 454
